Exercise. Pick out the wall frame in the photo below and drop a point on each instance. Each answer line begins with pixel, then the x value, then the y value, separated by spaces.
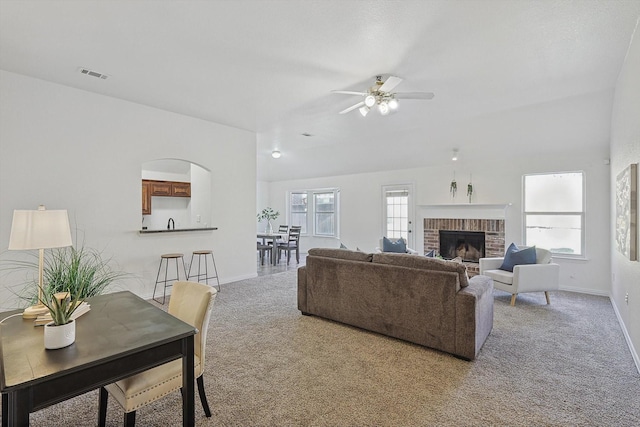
pixel 627 212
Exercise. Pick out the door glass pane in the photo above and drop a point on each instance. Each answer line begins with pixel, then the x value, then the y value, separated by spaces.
pixel 397 213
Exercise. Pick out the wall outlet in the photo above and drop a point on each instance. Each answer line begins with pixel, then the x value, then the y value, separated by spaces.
pixel 198 219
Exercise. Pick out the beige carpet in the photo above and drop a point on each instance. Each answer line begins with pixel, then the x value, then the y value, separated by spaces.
pixel 566 364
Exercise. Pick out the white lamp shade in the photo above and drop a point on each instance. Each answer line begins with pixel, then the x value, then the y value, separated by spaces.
pixel 39 229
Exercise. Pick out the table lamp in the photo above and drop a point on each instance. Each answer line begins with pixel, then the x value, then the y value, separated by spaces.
pixel 39 229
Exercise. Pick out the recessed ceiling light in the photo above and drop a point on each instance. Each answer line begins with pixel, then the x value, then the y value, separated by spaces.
pixel 276 154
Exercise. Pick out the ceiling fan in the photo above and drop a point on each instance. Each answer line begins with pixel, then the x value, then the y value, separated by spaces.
pixel 380 94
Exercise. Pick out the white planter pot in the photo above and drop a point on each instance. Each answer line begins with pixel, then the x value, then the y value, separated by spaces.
pixel 59 336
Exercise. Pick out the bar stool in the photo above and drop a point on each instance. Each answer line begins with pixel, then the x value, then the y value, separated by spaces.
pixel 168 282
pixel 205 275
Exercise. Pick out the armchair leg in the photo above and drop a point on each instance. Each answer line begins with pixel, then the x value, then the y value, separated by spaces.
pixel 513 299
pixel 102 407
pixel 546 294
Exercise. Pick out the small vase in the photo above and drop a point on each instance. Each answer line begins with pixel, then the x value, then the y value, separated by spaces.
pixel 269 228
pixel 59 336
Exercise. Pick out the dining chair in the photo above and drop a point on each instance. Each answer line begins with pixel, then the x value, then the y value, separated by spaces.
pixel 190 302
pixel 264 249
pixel 292 243
pixel 282 229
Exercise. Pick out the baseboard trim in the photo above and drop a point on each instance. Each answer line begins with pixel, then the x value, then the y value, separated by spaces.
pixel 584 291
pixel 627 338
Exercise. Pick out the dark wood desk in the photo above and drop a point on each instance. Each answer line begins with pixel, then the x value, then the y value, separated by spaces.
pixel 122 335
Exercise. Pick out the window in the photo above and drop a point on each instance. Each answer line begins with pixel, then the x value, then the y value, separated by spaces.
pixel 554 212
pixel 323 211
pixel 325 214
pixel 298 210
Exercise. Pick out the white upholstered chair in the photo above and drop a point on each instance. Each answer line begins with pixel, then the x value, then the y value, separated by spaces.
pixel 192 303
pixel 380 249
pixel 543 276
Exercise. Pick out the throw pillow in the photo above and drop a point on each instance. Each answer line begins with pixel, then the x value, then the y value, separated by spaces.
pixel 431 254
pixel 398 246
pixel 515 256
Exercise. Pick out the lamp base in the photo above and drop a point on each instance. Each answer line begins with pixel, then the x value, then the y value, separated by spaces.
pixel 34 311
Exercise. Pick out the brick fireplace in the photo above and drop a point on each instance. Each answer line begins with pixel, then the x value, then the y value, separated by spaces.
pixel 493 235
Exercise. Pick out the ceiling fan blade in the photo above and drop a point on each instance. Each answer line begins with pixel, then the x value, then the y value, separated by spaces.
pixel 348 92
pixel 414 95
pixel 390 83
pixel 353 107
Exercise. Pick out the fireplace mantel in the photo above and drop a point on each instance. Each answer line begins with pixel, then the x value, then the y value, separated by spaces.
pixel 465 210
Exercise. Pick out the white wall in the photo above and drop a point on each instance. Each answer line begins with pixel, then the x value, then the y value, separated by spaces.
pixel 498 183
pixel 75 150
pixel 625 149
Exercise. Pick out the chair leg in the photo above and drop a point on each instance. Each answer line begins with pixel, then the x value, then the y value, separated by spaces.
pixel 203 396
pixel 513 299
pixel 102 407
pixel 5 410
pixel 130 419
pixel 546 294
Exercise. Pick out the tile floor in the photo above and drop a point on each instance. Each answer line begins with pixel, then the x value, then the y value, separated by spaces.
pixel 268 268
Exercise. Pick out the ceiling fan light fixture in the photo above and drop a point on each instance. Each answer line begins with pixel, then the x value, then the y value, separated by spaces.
pixel 384 108
pixel 276 154
pixel 393 104
pixel 370 101
pixel 364 110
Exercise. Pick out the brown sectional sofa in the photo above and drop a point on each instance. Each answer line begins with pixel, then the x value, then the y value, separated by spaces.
pixel 426 301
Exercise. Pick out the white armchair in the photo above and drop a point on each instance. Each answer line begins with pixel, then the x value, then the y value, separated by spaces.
pixel 543 276
pixel 379 249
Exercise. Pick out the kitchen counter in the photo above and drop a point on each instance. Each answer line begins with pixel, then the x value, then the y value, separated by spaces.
pixel 177 230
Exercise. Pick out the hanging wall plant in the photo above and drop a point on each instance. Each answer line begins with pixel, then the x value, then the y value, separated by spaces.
pixel 453 188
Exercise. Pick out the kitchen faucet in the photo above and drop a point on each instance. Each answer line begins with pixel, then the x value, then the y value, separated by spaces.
pixel 171 224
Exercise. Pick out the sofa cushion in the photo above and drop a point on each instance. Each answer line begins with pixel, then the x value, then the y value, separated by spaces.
pixel 399 246
pixel 516 256
pixel 347 254
pixel 424 263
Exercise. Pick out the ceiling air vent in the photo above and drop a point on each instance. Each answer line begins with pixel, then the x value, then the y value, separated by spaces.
pixel 92 73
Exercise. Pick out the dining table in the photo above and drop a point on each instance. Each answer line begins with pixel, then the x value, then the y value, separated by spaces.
pixel 273 237
pixel 121 335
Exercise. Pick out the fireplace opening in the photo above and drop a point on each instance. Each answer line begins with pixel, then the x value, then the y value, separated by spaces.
pixel 468 245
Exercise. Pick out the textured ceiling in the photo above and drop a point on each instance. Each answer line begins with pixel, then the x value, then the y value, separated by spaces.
pixel 539 75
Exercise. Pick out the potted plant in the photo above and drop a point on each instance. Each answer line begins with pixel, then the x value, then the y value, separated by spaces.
pixel 61 331
pixel 70 276
pixel 268 214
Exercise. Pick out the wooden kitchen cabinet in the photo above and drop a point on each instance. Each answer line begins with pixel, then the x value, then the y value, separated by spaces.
pixel 181 189
pixel 162 189
pixel 146 198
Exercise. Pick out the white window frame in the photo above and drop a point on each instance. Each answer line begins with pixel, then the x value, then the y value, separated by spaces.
pixel 311 211
pixel 410 209
pixel 581 214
